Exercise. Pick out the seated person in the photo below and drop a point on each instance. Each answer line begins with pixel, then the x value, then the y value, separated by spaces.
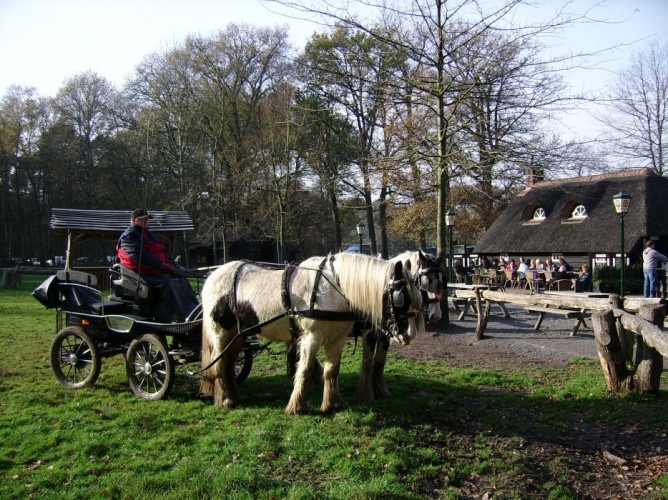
pixel 583 283
pixel 143 252
pixel 522 268
pixel 460 269
pixel 562 274
pixel 551 266
pixel 563 263
pixel 485 263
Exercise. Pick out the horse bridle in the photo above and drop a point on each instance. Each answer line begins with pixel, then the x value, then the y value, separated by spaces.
pixel 399 299
pixel 427 272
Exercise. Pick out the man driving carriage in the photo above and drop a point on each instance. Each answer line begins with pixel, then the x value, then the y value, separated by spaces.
pixel 141 251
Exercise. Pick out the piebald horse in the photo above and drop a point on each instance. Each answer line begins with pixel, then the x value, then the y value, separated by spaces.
pixel 315 308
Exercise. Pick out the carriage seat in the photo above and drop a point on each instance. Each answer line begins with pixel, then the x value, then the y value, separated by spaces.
pixel 180 299
pixel 72 276
pixel 129 285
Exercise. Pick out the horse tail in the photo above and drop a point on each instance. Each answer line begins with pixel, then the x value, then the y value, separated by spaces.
pixel 210 374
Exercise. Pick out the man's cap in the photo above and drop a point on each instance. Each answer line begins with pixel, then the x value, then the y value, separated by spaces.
pixel 139 213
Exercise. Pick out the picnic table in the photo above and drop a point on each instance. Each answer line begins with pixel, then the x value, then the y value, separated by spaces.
pixel 470 296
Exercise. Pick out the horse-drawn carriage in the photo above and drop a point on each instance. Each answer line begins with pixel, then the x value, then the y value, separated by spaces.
pixel 90 327
pixel 312 305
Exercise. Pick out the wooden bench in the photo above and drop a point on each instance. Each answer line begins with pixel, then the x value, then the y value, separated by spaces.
pixel 469 304
pixel 580 315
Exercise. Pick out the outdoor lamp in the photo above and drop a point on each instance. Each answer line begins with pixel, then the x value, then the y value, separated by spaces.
pixel 622 201
pixel 360 230
pixel 450 222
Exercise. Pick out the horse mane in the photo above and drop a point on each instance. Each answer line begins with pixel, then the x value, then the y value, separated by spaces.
pixel 410 255
pixel 354 269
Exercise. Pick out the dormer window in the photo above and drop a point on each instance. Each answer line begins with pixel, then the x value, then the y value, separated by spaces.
pixel 579 212
pixel 574 213
pixel 533 215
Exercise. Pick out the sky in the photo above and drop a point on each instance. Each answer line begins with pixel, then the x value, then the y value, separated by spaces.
pixel 46 42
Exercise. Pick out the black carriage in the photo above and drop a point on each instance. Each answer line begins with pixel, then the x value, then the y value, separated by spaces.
pixel 128 321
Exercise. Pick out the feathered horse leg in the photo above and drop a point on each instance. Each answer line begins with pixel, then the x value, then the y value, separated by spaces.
pixel 380 390
pixel 364 391
pixel 308 349
pixel 331 395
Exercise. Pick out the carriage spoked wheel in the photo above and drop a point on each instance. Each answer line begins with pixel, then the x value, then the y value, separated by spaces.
pixel 149 367
pixel 75 358
pixel 243 364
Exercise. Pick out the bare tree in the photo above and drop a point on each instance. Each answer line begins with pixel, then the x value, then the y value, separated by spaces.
pixel 24 118
pixel 85 104
pixel 637 117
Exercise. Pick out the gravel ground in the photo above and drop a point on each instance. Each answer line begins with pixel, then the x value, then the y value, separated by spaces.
pixel 507 342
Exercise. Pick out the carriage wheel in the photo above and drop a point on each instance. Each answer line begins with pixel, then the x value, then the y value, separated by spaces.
pixel 75 359
pixel 150 368
pixel 243 364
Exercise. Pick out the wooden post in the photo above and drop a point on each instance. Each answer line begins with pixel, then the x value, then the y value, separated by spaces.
pixel 610 352
pixel 483 314
pixel 649 362
pixel 11 279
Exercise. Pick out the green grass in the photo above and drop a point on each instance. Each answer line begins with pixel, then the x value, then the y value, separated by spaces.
pixel 446 432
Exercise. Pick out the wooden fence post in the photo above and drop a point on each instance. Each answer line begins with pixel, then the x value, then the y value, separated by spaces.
pixel 610 352
pixel 648 362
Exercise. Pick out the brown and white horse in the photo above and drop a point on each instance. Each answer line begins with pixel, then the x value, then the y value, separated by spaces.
pixel 282 305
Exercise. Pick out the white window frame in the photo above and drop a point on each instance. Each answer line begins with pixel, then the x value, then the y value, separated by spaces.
pixel 579 212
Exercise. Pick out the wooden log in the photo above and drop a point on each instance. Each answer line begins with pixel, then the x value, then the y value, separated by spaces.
pixel 483 316
pixel 633 304
pixel 649 363
pixel 610 353
pixel 652 335
pixel 564 301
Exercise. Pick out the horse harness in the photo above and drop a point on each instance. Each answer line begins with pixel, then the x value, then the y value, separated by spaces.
pixel 397 292
pixel 427 272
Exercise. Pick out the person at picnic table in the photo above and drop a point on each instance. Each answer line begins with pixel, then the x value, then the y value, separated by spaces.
pixel 460 269
pixel 563 263
pixel 522 268
pixel 583 283
pixel 562 274
pixel 511 266
pixel 551 266
pixel 486 263
pixel 650 262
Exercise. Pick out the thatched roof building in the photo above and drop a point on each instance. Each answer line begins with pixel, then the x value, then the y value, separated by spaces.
pixel 576 217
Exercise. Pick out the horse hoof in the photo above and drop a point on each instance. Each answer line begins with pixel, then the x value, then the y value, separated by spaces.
pixel 226 403
pixel 300 410
pixel 334 408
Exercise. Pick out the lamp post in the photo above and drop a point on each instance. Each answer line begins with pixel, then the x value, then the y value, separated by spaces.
pixel 622 201
pixel 360 230
pixel 450 222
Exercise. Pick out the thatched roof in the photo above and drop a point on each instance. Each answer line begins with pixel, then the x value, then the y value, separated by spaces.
pixel 515 232
pixel 109 224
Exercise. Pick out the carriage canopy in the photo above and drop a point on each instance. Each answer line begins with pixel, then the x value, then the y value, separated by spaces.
pixel 81 225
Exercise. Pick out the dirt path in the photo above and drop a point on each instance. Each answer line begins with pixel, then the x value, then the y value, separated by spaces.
pixel 508 342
